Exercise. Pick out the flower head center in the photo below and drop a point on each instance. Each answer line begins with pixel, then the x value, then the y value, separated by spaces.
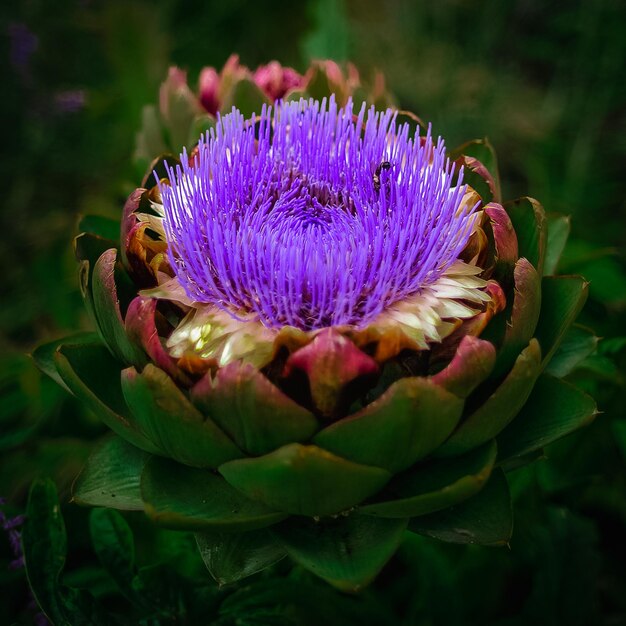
pixel 313 216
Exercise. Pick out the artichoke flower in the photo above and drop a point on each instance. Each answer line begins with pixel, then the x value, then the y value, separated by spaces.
pixel 319 330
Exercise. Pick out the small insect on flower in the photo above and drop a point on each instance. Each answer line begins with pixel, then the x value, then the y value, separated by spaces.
pixel 385 165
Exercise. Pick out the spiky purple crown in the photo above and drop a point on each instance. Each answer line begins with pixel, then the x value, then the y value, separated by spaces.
pixel 312 216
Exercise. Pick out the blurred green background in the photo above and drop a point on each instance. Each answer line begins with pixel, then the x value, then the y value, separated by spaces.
pixel 544 81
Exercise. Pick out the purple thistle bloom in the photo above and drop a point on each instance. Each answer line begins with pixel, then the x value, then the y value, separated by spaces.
pixel 312 216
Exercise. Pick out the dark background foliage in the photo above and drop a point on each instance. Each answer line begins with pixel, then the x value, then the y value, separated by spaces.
pixel 544 81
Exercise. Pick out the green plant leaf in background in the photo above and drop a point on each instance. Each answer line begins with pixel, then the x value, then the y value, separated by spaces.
pixel 230 557
pixel 559 227
pixel 555 408
pixel 578 343
pixel 45 550
pixel 434 485
pixel 111 477
pixel 347 551
pixel 485 519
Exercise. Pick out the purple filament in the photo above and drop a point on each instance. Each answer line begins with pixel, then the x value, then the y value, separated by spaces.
pixel 313 216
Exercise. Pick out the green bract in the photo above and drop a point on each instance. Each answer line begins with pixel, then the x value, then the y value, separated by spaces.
pixel 324 446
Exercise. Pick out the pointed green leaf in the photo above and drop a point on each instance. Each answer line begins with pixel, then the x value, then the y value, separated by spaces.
pixel 43 355
pixel 434 485
pixel 251 410
pixel 524 316
pixel 485 519
pixel 44 540
pixel 554 409
pixel 229 557
pixel 558 227
pixel 181 497
pixel 45 548
pixel 109 277
pixel 496 411
pixel 304 480
pixel 348 552
pixel 88 247
pixel 165 417
pixel 93 376
pixel 563 297
pixel 482 150
pixel 111 476
pixel 529 221
pixel 578 343
pixel 410 420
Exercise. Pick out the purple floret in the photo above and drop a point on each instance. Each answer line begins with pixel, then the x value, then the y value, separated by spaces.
pixel 313 216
